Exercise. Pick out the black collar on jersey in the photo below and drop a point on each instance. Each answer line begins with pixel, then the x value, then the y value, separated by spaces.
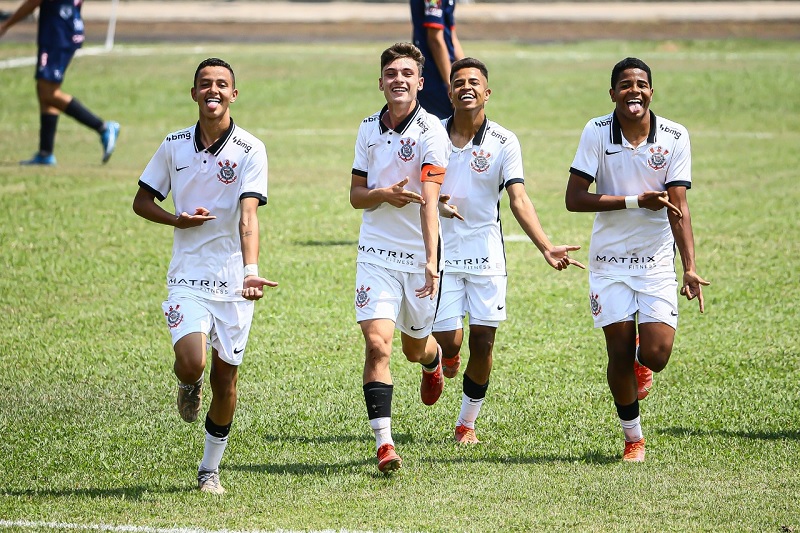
pixel 215 148
pixel 480 135
pixel 401 128
pixel 616 130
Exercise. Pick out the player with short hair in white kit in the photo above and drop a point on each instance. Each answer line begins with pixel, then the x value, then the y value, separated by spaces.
pixel 641 164
pixel 398 169
pixel 217 174
pixel 485 160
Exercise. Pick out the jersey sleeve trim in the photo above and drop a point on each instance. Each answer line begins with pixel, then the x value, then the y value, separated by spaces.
pixel 152 191
pixel 362 173
pixel 582 174
pixel 513 181
pixel 432 173
pixel 687 184
pixel 262 200
pixel 434 25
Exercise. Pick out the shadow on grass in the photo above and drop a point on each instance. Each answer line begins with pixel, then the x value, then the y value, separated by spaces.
pixel 327 243
pixel 126 493
pixel 310 469
pixel 755 435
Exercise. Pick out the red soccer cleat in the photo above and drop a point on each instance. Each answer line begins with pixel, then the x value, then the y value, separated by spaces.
pixel 634 452
pixel 388 460
pixel 465 435
pixel 432 385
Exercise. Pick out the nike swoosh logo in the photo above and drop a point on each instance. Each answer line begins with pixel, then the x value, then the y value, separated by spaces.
pixel 501 307
pixel 434 174
pixel 178 169
pixel 240 350
pixel 415 329
pixel 612 153
pixel 673 313
pixel 371 145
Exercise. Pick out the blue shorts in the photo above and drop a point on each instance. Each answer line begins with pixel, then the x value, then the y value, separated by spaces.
pixel 52 63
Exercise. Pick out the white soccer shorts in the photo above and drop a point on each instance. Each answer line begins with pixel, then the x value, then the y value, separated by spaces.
pixel 385 293
pixel 225 324
pixel 482 297
pixel 618 298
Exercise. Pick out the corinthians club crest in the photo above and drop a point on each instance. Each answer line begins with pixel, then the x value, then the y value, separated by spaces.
pixel 362 297
pixel 406 152
pixel 658 158
pixel 480 161
pixel 174 317
pixel 226 173
pixel 595 303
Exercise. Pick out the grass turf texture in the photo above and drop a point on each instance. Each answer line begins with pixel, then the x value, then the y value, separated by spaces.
pixel 90 433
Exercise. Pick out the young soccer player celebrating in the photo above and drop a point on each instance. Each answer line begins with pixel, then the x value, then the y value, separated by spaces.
pixel 217 174
pixel 486 160
pixel 399 166
pixel 641 164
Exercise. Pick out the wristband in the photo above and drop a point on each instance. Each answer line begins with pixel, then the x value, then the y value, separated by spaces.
pixel 632 202
pixel 251 270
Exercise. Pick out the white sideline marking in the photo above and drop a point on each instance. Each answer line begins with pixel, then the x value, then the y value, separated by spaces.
pixel 144 529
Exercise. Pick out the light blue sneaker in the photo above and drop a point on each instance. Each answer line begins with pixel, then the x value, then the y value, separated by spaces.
pixel 39 159
pixel 109 139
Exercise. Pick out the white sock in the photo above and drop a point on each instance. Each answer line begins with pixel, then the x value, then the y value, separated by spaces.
pixel 632 429
pixel 212 453
pixel 383 430
pixel 470 408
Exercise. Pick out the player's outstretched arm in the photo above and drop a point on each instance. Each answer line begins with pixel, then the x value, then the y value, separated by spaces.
pixel 692 286
pixel 429 219
pixel 362 197
pixel 578 199
pixel 524 211
pixel 253 285
pixel 144 205
pixel 22 12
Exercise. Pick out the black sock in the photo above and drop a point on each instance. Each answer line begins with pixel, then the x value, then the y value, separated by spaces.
pixel 433 364
pixel 379 399
pixel 217 431
pixel 627 412
pixel 473 390
pixel 47 133
pixel 76 110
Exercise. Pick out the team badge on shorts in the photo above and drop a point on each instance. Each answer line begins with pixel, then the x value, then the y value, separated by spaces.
pixel 480 161
pixel 406 152
pixel 658 158
pixel 174 317
pixel 226 174
pixel 362 298
pixel 595 304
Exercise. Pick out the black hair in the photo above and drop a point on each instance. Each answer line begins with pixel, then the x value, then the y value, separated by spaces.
pixel 214 62
pixel 628 63
pixel 469 62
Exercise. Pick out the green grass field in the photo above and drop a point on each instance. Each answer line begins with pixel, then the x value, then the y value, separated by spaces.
pixel 89 433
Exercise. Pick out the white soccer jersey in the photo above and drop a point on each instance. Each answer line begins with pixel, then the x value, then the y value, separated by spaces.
pixel 207 260
pixel 633 241
pixel 391 236
pixel 476 177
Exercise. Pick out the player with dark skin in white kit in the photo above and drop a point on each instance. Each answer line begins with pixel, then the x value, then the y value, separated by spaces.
pixel 641 165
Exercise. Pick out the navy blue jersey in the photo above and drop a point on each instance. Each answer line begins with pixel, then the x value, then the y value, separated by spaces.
pixel 60 24
pixel 434 14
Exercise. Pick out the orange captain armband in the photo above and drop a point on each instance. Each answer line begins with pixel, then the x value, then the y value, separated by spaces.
pixel 432 173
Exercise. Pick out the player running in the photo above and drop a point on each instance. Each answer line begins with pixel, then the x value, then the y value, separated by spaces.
pixel 60 35
pixel 217 174
pixel 399 166
pixel 485 160
pixel 641 164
